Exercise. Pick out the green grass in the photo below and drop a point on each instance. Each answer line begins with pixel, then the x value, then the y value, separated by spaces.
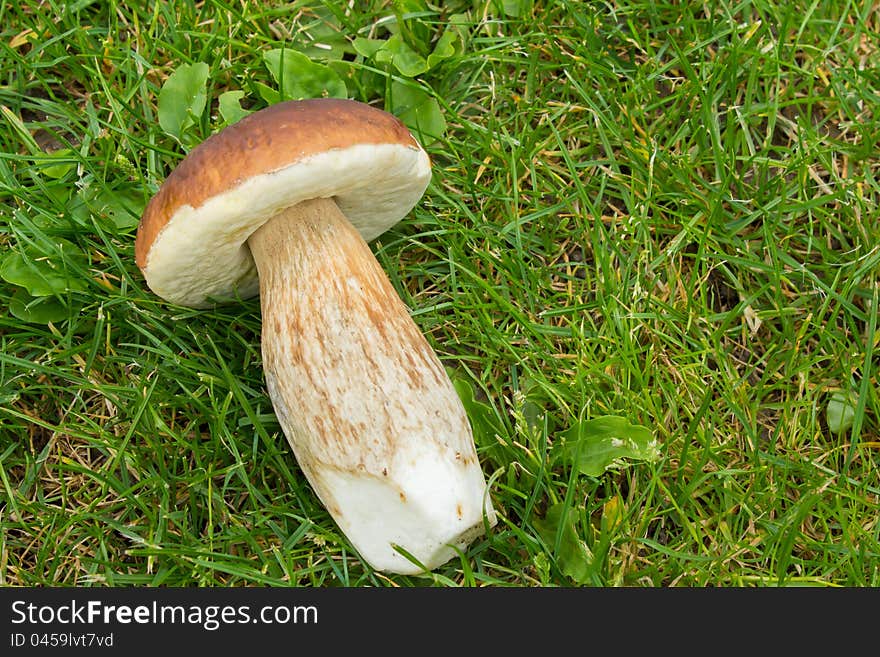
pixel 663 211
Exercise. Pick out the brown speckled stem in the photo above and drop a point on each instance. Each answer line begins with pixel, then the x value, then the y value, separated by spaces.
pixel 366 405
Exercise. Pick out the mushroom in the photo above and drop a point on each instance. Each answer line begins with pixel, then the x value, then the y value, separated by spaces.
pixel 282 204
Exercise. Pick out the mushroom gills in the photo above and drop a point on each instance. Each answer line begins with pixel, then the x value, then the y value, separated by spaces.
pixel 370 413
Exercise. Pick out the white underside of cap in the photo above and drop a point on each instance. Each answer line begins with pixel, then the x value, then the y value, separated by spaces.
pixel 201 256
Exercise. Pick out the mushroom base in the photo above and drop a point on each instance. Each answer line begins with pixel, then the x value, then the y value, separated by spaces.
pixel 366 405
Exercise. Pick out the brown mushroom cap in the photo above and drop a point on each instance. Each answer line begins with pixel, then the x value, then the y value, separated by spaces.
pixel 191 241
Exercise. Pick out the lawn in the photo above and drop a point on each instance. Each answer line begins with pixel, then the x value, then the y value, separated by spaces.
pixel 666 213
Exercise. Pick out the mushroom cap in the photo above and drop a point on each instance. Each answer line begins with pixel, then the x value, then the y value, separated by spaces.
pixel 191 240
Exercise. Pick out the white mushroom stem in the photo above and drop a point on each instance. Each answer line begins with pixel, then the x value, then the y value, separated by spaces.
pixel 370 413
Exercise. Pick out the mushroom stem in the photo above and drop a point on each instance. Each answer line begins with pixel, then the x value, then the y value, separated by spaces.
pixel 371 415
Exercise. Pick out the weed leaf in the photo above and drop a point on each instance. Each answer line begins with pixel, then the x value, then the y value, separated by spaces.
pixel 594 446
pixel 443 49
pixel 37 310
pixel 407 61
pixel 367 47
pixel 299 77
pixel 230 107
pixel 418 110
pixel 117 210
pixel 484 421
pixel 42 273
pixel 58 164
pixel 841 411
pixel 574 557
pixel 182 100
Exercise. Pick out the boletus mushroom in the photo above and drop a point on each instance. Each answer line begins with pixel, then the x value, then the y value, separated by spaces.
pixel 282 204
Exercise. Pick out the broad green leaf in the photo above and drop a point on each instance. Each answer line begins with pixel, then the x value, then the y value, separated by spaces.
pixel 407 61
pixel 419 111
pixel 461 25
pixel 410 23
pixel 513 8
pixel 484 421
pixel 383 55
pixel 531 403
pixel 597 445
pixel 574 557
pixel 267 93
pixel 411 6
pixel 534 416
pixel 444 48
pixel 43 273
pixel 367 47
pixel 117 210
pixel 182 100
pixel 299 77
pixel 7 396
pixel 841 411
pixel 62 164
pixel 612 515
pixel 38 220
pixel 37 310
pixel 230 107
pixel 322 38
